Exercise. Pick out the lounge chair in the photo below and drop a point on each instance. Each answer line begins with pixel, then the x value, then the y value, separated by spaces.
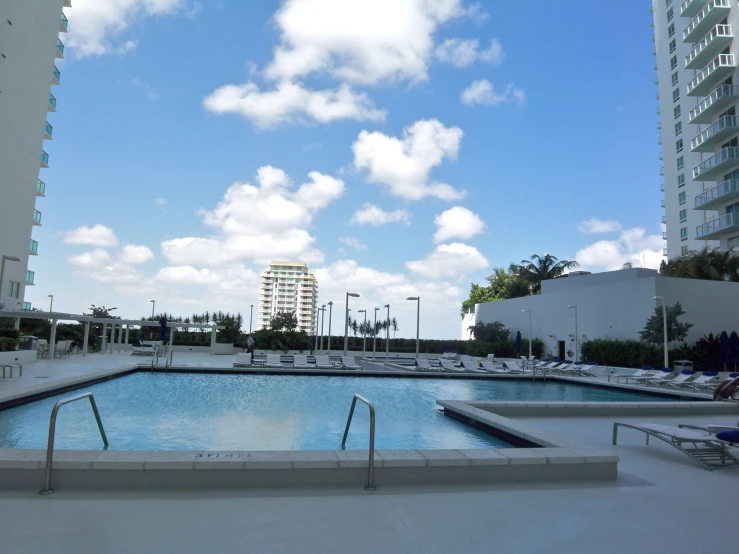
pixel 11 367
pixel 62 348
pixel 324 362
pixel 645 371
pixel 423 364
pixel 708 450
pixel 273 360
pixel 349 362
pixel 242 360
pixel 449 365
pixel 586 369
pixel 141 349
pixel 300 361
pixel 512 367
pixel 42 350
pixel 564 367
pixel 490 368
pixel 707 381
pixel 680 380
pixel 660 378
pixel 472 366
pixel 491 357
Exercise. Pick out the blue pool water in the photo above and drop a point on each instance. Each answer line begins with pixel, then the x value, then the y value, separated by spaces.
pixel 195 411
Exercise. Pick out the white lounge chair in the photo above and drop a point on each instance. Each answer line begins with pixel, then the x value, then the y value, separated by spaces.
pixel 472 366
pixel 490 368
pixel 660 378
pixel 682 379
pixel 324 362
pixel 707 380
pixel 349 362
pixel 300 361
pixel 423 364
pixel 142 349
pixel 645 371
pixel 449 365
pixel 242 359
pixel 273 360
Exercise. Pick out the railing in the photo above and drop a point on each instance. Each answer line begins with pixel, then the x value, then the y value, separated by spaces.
pixel 30 275
pixel 727 187
pixel 37 217
pixel 52 101
pixel 717 31
pixel 60 46
pixel 65 21
pixel 718 224
pixel 57 74
pixel 52 430
pixel 713 4
pixel 44 158
pixel 33 249
pixel 722 60
pixel 49 129
pixel 371 469
pixel 40 187
pixel 685 5
pixel 720 92
pixel 720 125
pixel 715 161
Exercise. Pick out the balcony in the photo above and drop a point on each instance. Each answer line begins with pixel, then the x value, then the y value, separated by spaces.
pixel 662 171
pixel 37 218
pixel 33 250
pixel 718 227
pixel 715 134
pixel 44 159
pixel 714 104
pixel 720 194
pixel 715 166
pixel 710 46
pixel 664 252
pixel 662 203
pixel 56 75
pixel 29 278
pixel 67 3
pixel 664 236
pixel 47 131
pixel 52 103
pixel 720 68
pixel 26 306
pixel 664 219
pixel 63 24
pixel 690 8
pixel 713 12
pixel 662 187
pixel 40 188
pixel 59 52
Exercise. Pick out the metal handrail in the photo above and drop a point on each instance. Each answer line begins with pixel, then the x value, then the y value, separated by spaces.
pixel 371 470
pixel 52 431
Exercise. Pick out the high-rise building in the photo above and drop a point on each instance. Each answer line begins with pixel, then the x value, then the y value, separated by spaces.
pixel 696 69
pixel 29 47
pixel 288 287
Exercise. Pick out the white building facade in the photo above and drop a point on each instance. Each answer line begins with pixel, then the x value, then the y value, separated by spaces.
pixel 288 287
pixel 696 73
pixel 29 47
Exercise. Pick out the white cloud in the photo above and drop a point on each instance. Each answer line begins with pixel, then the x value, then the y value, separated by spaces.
pixel 90 259
pixel 96 27
pixel 457 222
pixel 97 235
pixel 449 260
pixel 369 214
pixel 403 164
pixel 596 226
pixel 633 245
pixel 462 53
pixel 132 254
pixel 482 92
pixel 161 201
pixel 232 278
pixel 289 102
pixel 353 243
pixel 99 265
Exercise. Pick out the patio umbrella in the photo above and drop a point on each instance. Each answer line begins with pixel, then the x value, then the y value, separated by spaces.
pixel 163 329
pixel 518 342
pixel 725 348
pixel 734 340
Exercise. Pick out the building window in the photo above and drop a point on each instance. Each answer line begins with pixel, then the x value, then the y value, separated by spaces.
pixel 679 146
pixel 683 216
pixel 733 242
pixel 673 62
pixel 683 234
pixel 682 197
pixel 26 307
pixel 680 163
pixel 683 250
pixel 670 14
pixel 15 289
pixel 674 78
pixel 668 2
pixel 673 46
pixel 678 128
pixel 676 111
pixel 671 29
pixel 676 95
pixel 681 180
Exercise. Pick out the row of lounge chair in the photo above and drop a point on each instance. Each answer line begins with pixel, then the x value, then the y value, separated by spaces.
pixel 299 361
pixel 685 380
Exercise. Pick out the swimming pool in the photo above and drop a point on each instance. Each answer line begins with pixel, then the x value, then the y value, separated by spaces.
pixel 197 411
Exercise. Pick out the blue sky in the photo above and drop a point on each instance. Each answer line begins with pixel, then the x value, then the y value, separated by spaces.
pixel 375 139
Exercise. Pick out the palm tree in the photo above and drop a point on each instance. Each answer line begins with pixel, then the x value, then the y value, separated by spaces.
pixel 541 268
pixel 355 328
pixel 394 325
pixel 708 264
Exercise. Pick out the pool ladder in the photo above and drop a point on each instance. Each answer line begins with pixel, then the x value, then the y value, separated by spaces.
pixel 168 355
pixel 370 486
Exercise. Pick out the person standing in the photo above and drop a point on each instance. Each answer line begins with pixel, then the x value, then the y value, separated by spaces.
pixel 250 345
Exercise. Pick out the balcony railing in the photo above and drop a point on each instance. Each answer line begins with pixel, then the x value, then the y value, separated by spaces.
pixel 722 96
pixel 711 13
pixel 717 195
pixel 716 40
pixel 33 249
pixel 40 188
pixel 719 68
pixel 664 236
pixel 29 277
pixel 664 251
pixel 704 142
pixel 48 129
pixel 52 103
pixel 717 227
pixel 691 7
pixel 57 75
pixel 664 219
pixel 44 159
pixel 63 24
pixel 36 217
pixel 59 49
pixel 712 165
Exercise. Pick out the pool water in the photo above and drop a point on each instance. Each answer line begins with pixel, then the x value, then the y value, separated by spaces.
pixel 196 411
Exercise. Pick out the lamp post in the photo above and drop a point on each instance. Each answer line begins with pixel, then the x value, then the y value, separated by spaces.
pixel 364 335
pixel 322 309
pixel 153 303
pixel 346 322
pixel 575 308
pixel 318 314
pixel 530 337
pixel 330 308
pixel 387 335
pixel 664 325
pixel 418 323
pixel 51 303
pixel 2 270
pixel 374 336
pixel 251 314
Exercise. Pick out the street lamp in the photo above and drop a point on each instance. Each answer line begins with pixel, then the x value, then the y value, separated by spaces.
pixel 251 313
pixel 346 322
pixel 374 336
pixel 2 270
pixel 418 322
pixel 387 335
pixel 664 325
pixel 530 338
pixel 322 309
pixel 153 303
pixel 364 335
pixel 330 308
pixel 575 308
pixel 51 303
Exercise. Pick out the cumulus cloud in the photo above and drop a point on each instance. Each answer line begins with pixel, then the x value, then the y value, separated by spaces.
pixel 99 265
pixel 97 235
pixel 91 259
pixel 482 92
pixel 134 255
pixel 369 214
pixel 289 102
pixel 353 243
pixel 462 53
pixel 594 226
pixel 457 222
pixel 232 278
pixel 449 260
pixel 161 201
pixel 633 245
pixel 403 164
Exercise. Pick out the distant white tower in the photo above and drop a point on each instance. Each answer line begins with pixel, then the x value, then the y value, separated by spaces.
pixel 288 287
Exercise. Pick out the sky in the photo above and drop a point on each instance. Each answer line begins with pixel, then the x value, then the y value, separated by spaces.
pixel 399 147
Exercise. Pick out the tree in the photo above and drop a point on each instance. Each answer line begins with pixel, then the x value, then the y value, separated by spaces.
pixel 478 295
pixel 489 332
pixel 654 328
pixel 707 264
pixel 394 325
pixel 540 268
pixel 354 326
pixel 284 321
pixel 101 312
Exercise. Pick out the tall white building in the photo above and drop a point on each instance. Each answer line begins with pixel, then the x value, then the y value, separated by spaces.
pixel 288 287
pixel 29 47
pixel 696 69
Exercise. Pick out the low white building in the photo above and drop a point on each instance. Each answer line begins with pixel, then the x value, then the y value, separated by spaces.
pixel 614 304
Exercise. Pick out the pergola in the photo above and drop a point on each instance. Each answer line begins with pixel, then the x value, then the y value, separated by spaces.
pixel 114 324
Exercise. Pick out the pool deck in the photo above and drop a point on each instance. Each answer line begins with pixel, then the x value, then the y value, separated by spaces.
pixel 662 501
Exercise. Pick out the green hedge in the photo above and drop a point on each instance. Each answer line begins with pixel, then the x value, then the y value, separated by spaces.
pixel 622 353
pixel 8 344
pixel 10 333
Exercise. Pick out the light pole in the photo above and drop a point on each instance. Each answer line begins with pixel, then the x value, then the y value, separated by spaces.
pixel 418 323
pixel 387 335
pixel 318 314
pixel 322 309
pixel 575 308
pixel 346 322
pixel 51 303
pixel 664 325
pixel 251 314
pixel 364 335
pixel 153 303
pixel 330 308
pixel 530 339
pixel 374 336
pixel 2 270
